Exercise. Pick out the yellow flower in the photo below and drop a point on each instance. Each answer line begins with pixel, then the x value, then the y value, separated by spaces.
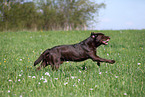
pixel 5 61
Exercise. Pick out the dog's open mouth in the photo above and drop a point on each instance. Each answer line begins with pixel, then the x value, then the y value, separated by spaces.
pixel 105 41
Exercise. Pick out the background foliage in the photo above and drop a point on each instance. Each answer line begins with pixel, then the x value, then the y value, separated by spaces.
pixel 47 14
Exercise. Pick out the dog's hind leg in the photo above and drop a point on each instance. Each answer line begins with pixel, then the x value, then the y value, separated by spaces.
pixel 55 62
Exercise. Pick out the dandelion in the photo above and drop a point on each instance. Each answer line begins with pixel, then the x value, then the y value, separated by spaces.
pixel 20 95
pixel 100 73
pixel 33 77
pixel 66 83
pixel 10 80
pixel 41 78
pixel 73 77
pixel 0 63
pixel 8 91
pixel 5 61
pixel 45 81
pixel 56 78
pixel 125 93
pixel 79 80
pixel 138 63
pixel 47 74
pixel 74 84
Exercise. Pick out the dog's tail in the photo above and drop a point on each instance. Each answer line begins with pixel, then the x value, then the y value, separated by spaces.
pixel 38 60
pixel 42 56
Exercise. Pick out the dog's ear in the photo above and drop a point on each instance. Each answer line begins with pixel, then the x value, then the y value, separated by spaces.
pixel 93 35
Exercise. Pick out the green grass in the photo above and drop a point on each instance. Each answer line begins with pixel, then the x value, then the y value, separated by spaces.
pixel 125 78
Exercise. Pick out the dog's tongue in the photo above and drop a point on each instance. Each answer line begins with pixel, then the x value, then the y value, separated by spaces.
pixel 105 42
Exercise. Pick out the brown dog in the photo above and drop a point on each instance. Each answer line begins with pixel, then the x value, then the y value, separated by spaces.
pixel 76 52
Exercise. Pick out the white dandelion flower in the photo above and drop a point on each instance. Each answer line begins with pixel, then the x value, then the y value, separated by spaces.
pixel 91 89
pixel 125 93
pixel 8 91
pixel 45 81
pixel 79 80
pixel 41 78
pixel 73 77
pixel 47 74
pixel 66 83
pixel 21 96
pixel 80 71
pixel 10 80
pixel 56 78
pixel 33 77
pixel 138 63
pixel 100 72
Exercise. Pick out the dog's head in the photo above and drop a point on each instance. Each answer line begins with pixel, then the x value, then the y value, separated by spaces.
pixel 100 38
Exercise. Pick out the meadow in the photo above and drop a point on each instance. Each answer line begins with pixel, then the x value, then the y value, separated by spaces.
pixel 125 78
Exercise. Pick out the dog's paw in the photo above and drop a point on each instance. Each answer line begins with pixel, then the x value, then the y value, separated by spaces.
pixel 98 63
pixel 112 61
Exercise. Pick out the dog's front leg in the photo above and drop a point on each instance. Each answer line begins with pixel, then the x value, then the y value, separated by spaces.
pixel 98 59
pixel 43 64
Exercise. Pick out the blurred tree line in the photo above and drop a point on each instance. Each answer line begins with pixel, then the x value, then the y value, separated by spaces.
pixel 47 14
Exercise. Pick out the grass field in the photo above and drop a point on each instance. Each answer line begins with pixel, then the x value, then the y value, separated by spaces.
pixel 125 78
